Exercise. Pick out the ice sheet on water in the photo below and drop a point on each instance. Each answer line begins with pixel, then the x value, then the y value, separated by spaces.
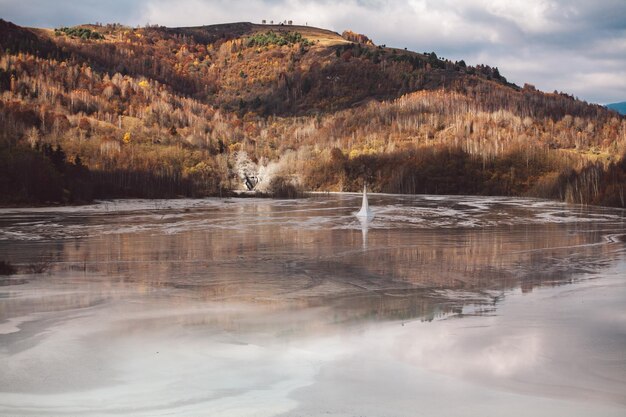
pixel 319 212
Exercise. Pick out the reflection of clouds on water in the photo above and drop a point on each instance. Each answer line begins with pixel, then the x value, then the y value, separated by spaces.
pixel 261 307
pixel 162 357
pixel 165 355
pixel 450 350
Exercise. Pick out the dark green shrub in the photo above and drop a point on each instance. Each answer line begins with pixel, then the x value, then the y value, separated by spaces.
pixel 274 38
pixel 77 32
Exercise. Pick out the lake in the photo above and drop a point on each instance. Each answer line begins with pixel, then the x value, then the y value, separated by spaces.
pixel 439 306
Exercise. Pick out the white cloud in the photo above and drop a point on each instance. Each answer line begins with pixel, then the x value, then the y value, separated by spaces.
pixel 572 45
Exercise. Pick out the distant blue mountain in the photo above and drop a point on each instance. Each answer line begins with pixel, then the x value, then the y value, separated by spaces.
pixel 619 107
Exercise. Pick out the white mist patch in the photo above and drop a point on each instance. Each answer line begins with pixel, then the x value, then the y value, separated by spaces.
pixel 267 173
pixel 260 174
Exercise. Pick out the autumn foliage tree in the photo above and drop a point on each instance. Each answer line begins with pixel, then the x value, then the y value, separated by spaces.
pixel 161 112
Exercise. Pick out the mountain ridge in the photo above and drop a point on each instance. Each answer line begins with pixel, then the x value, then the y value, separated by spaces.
pixel 618 107
pixel 160 111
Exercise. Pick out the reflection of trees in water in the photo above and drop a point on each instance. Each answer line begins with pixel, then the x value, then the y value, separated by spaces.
pixel 265 254
pixel 543 269
pixel 273 264
pixel 395 305
pixel 495 258
pixel 33 257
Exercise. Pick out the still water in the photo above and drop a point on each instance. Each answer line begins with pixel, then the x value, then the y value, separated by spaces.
pixel 439 306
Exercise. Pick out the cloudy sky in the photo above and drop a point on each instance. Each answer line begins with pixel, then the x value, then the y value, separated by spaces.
pixel 575 46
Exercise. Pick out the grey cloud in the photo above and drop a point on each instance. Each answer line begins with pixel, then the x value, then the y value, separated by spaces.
pixel 43 13
pixel 598 15
pixel 577 46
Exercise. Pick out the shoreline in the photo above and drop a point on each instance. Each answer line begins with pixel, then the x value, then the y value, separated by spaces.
pixel 244 194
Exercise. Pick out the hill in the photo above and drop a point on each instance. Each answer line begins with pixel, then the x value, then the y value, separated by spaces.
pixel 112 111
pixel 618 107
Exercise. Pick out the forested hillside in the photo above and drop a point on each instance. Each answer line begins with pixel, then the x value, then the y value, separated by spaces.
pixel 110 111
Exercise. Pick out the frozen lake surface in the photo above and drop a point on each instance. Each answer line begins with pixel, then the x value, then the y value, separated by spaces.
pixel 439 306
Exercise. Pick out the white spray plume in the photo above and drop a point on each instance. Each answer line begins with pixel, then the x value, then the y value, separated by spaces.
pixel 265 171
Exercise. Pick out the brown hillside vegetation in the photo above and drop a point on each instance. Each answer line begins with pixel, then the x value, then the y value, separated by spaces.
pixel 104 111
